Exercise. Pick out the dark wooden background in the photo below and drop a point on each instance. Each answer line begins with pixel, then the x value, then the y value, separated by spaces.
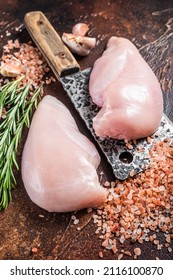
pixel 149 24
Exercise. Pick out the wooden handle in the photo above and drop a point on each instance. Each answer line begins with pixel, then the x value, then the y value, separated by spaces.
pixel 50 44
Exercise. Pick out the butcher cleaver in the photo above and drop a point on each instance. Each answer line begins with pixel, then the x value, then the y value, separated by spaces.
pixel 125 160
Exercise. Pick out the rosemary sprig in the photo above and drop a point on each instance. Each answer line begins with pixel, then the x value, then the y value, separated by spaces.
pixel 19 108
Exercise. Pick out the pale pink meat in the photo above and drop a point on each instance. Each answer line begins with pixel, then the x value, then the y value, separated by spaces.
pixel 124 85
pixel 58 162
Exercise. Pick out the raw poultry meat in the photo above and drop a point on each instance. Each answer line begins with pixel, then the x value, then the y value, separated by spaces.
pixel 124 85
pixel 58 162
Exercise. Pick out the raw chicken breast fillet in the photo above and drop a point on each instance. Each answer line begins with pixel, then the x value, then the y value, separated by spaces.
pixel 124 85
pixel 58 162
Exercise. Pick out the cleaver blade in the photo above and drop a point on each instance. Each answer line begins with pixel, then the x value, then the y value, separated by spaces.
pixel 125 162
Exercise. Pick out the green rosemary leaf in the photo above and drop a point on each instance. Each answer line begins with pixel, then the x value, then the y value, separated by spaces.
pixel 19 108
pixel 14 160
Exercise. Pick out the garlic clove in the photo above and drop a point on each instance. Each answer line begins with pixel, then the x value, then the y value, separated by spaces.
pixel 80 29
pixel 11 68
pixel 80 45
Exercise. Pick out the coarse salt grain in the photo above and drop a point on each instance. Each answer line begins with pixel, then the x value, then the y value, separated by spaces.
pixel 137 251
pixel 89 210
pixel 34 67
pixel 34 250
pixel 76 221
pixel 107 184
pixel 169 249
pixel 141 204
pixel 128 253
pixel 156 241
pixel 120 256
pixel 168 238
pixel 41 216
pixel 101 254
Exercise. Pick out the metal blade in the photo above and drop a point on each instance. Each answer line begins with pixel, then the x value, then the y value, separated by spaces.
pixel 124 161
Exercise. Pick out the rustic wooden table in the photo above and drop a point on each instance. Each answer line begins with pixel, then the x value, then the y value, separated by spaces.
pixel 149 24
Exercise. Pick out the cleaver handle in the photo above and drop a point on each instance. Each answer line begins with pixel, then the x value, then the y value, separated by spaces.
pixel 58 56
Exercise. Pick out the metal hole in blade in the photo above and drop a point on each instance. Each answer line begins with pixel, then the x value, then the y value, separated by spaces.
pixel 126 157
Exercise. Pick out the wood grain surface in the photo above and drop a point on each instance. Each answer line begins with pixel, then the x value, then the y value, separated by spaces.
pixel 50 44
pixel 149 24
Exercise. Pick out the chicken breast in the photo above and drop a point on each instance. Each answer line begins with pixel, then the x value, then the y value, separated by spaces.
pixel 58 162
pixel 124 85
